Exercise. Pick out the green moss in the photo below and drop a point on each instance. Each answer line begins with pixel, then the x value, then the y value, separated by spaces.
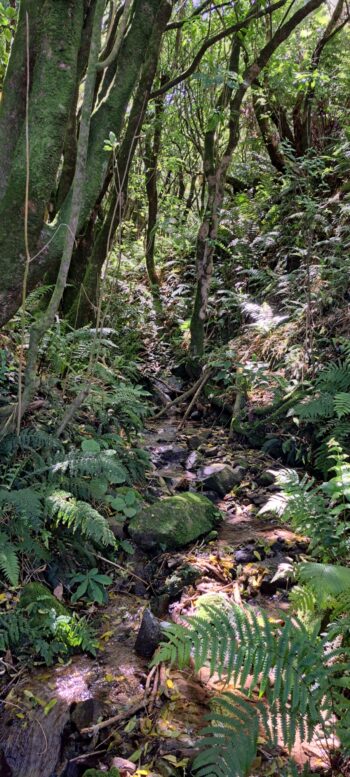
pixel 174 522
pixel 36 593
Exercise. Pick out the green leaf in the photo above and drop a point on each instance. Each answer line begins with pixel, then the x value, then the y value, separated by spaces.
pixel 90 446
pixel 127 547
pixel 81 590
pixel 129 512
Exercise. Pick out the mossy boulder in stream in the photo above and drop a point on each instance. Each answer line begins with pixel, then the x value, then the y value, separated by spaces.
pixel 174 522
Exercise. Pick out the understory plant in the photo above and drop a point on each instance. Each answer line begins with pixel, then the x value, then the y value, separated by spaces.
pixel 40 627
pixel 318 511
pixel 326 406
pixel 297 679
pixel 55 501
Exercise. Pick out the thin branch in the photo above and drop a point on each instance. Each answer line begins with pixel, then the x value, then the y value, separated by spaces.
pixel 197 12
pixel 211 41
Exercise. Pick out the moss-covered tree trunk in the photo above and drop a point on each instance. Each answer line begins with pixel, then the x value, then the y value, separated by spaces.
pixel 82 309
pixel 53 88
pixel 55 28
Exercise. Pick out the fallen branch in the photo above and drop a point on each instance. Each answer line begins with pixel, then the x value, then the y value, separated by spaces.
pixel 185 395
pixel 115 719
pixel 205 378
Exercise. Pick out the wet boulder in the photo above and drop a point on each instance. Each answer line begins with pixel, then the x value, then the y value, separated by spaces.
pixel 221 478
pixel 149 635
pixel 174 522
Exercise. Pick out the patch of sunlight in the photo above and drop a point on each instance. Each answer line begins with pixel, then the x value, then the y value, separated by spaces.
pixel 263 317
pixel 73 684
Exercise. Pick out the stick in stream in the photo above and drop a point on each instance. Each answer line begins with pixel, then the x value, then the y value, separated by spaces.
pixel 183 396
pixel 200 388
pixel 116 718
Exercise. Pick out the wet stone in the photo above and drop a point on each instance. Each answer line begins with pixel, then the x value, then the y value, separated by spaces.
pixel 221 478
pixel 149 635
pixel 85 713
pixel 249 554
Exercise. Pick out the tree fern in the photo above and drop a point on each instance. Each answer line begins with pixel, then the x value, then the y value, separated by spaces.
pixel 79 517
pixel 240 644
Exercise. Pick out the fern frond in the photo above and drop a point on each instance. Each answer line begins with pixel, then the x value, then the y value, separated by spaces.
pixel 28 440
pixel 25 501
pixel 334 378
pixel 315 409
pixel 239 643
pixel 79 517
pixel 342 404
pixel 230 739
pixel 9 565
pixel 103 464
pixel 330 579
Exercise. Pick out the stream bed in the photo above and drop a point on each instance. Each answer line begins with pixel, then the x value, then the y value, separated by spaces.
pixel 103 711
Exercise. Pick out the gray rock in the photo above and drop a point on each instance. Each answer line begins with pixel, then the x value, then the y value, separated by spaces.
pixel 221 478
pixel 149 635
pixel 85 713
pixel 174 522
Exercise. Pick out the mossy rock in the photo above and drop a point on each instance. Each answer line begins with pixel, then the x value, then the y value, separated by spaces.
pixel 37 593
pixel 218 600
pixel 172 523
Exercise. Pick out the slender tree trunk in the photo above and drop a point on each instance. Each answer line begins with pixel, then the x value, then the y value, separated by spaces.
pixel 268 133
pixel 216 172
pixel 152 148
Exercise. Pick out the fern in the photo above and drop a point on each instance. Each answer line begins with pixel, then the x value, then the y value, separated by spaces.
pixel 79 517
pixel 316 408
pixel 342 404
pixel 230 738
pixel 238 644
pixel 9 564
pixel 328 408
pixel 25 501
pixel 309 510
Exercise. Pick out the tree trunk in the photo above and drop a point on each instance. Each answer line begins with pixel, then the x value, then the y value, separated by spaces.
pixel 84 306
pixel 216 174
pixel 152 148
pixel 52 86
pixel 42 324
pixel 269 135
pixel 55 77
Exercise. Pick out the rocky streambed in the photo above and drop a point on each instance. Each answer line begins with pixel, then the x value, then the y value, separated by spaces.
pixel 199 539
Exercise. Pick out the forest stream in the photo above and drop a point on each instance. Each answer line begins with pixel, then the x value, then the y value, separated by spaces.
pixel 59 721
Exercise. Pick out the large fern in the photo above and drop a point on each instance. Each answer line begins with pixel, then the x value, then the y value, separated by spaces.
pixel 327 407
pixel 44 487
pixel 239 644
pixel 79 517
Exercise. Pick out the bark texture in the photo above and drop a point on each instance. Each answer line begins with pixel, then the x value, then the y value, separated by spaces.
pixel 55 75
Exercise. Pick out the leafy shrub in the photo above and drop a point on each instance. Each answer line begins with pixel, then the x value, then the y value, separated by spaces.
pixel 40 626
